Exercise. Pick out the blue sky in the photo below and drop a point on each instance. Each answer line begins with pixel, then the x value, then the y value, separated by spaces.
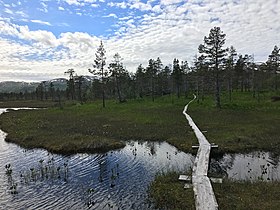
pixel 41 39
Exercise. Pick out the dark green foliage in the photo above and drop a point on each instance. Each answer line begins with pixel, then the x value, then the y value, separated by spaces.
pixel 70 84
pixel 177 75
pixel 273 65
pixel 215 55
pixel 99 68
pixel 120 77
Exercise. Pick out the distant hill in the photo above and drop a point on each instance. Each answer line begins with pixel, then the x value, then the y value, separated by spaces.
pixel 17 87
pixel 59 83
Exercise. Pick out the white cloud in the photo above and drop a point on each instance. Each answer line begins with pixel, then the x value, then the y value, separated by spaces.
pixel 8 11
pixel 167 30
pixel 8 29
pixel 122 5
pixel 61 8
pixel 140 6
pixel 44 37
pixel 21 14
pixel 41 22
pixel 82 2
pixel 44 7
pixel 111 15
pixel 90 1
pixel 168 2
pixel 73 2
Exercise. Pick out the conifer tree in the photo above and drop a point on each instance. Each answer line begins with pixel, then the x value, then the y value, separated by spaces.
pixel 215 55
pixel 99 68
pixel 273 64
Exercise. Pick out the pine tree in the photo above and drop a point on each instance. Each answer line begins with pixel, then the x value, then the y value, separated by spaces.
pixel 119 74
pixel 177 75
pixel 273 64
pixel 230 63
pixel 70 83
pixel 151 72
pixel 99 68
pixel 215 55
pixel 140 80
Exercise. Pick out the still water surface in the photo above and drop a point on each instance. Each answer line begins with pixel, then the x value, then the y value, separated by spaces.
pixel 114 180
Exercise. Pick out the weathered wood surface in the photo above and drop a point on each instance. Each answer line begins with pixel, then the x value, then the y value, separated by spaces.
pixel 203 191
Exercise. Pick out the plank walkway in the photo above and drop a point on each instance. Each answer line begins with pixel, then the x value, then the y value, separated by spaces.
pixel 203 191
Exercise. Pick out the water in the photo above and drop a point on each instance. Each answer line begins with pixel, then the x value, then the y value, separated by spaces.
pixel 253 166
pixel 114 180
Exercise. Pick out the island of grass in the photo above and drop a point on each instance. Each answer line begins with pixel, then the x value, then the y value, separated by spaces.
pixel 243 125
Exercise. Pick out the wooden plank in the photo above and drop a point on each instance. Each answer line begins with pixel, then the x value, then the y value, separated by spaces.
pixel 185 178
pixel 212 146
pixel 203 191
pixel 216 180
pixel 188 186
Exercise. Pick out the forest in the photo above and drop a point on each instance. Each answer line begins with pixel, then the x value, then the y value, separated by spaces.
pixel 215 70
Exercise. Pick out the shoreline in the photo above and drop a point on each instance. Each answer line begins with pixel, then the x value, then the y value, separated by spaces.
pixel 89 128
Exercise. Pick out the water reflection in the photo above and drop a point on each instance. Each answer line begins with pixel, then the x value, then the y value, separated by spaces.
pixel 253 166
pixel 115 180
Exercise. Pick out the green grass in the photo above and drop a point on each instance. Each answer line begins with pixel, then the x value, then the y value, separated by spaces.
pixel 168 193
pixel 247 195
pixel 241 126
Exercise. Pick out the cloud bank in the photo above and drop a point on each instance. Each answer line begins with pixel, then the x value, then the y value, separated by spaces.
pixel 138 30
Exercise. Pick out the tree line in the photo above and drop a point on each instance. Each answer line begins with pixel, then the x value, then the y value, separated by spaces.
pixel 215 69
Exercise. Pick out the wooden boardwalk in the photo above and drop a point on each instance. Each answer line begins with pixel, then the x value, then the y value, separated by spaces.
pixel 203 191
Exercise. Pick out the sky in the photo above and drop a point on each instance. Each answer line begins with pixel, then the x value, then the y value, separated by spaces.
pixel 41 39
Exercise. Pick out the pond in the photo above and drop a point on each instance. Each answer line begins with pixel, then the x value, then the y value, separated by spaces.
pixel 36 179
pixel 254 166
pixel 114 180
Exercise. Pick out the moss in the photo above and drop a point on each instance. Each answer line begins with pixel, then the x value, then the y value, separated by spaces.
pixel 248 195
pixel 168 193
pixel 235 128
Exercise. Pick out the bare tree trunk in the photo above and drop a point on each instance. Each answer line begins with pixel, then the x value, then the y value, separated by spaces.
pixel 119 90
pixel 197 89
pixel 229 89
pixel 103 96
pixel 202 89
pixel 276 81
pixel 153 98
pixel 103 89
pixel 186 87
pixel 178 91
pixel 217 94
